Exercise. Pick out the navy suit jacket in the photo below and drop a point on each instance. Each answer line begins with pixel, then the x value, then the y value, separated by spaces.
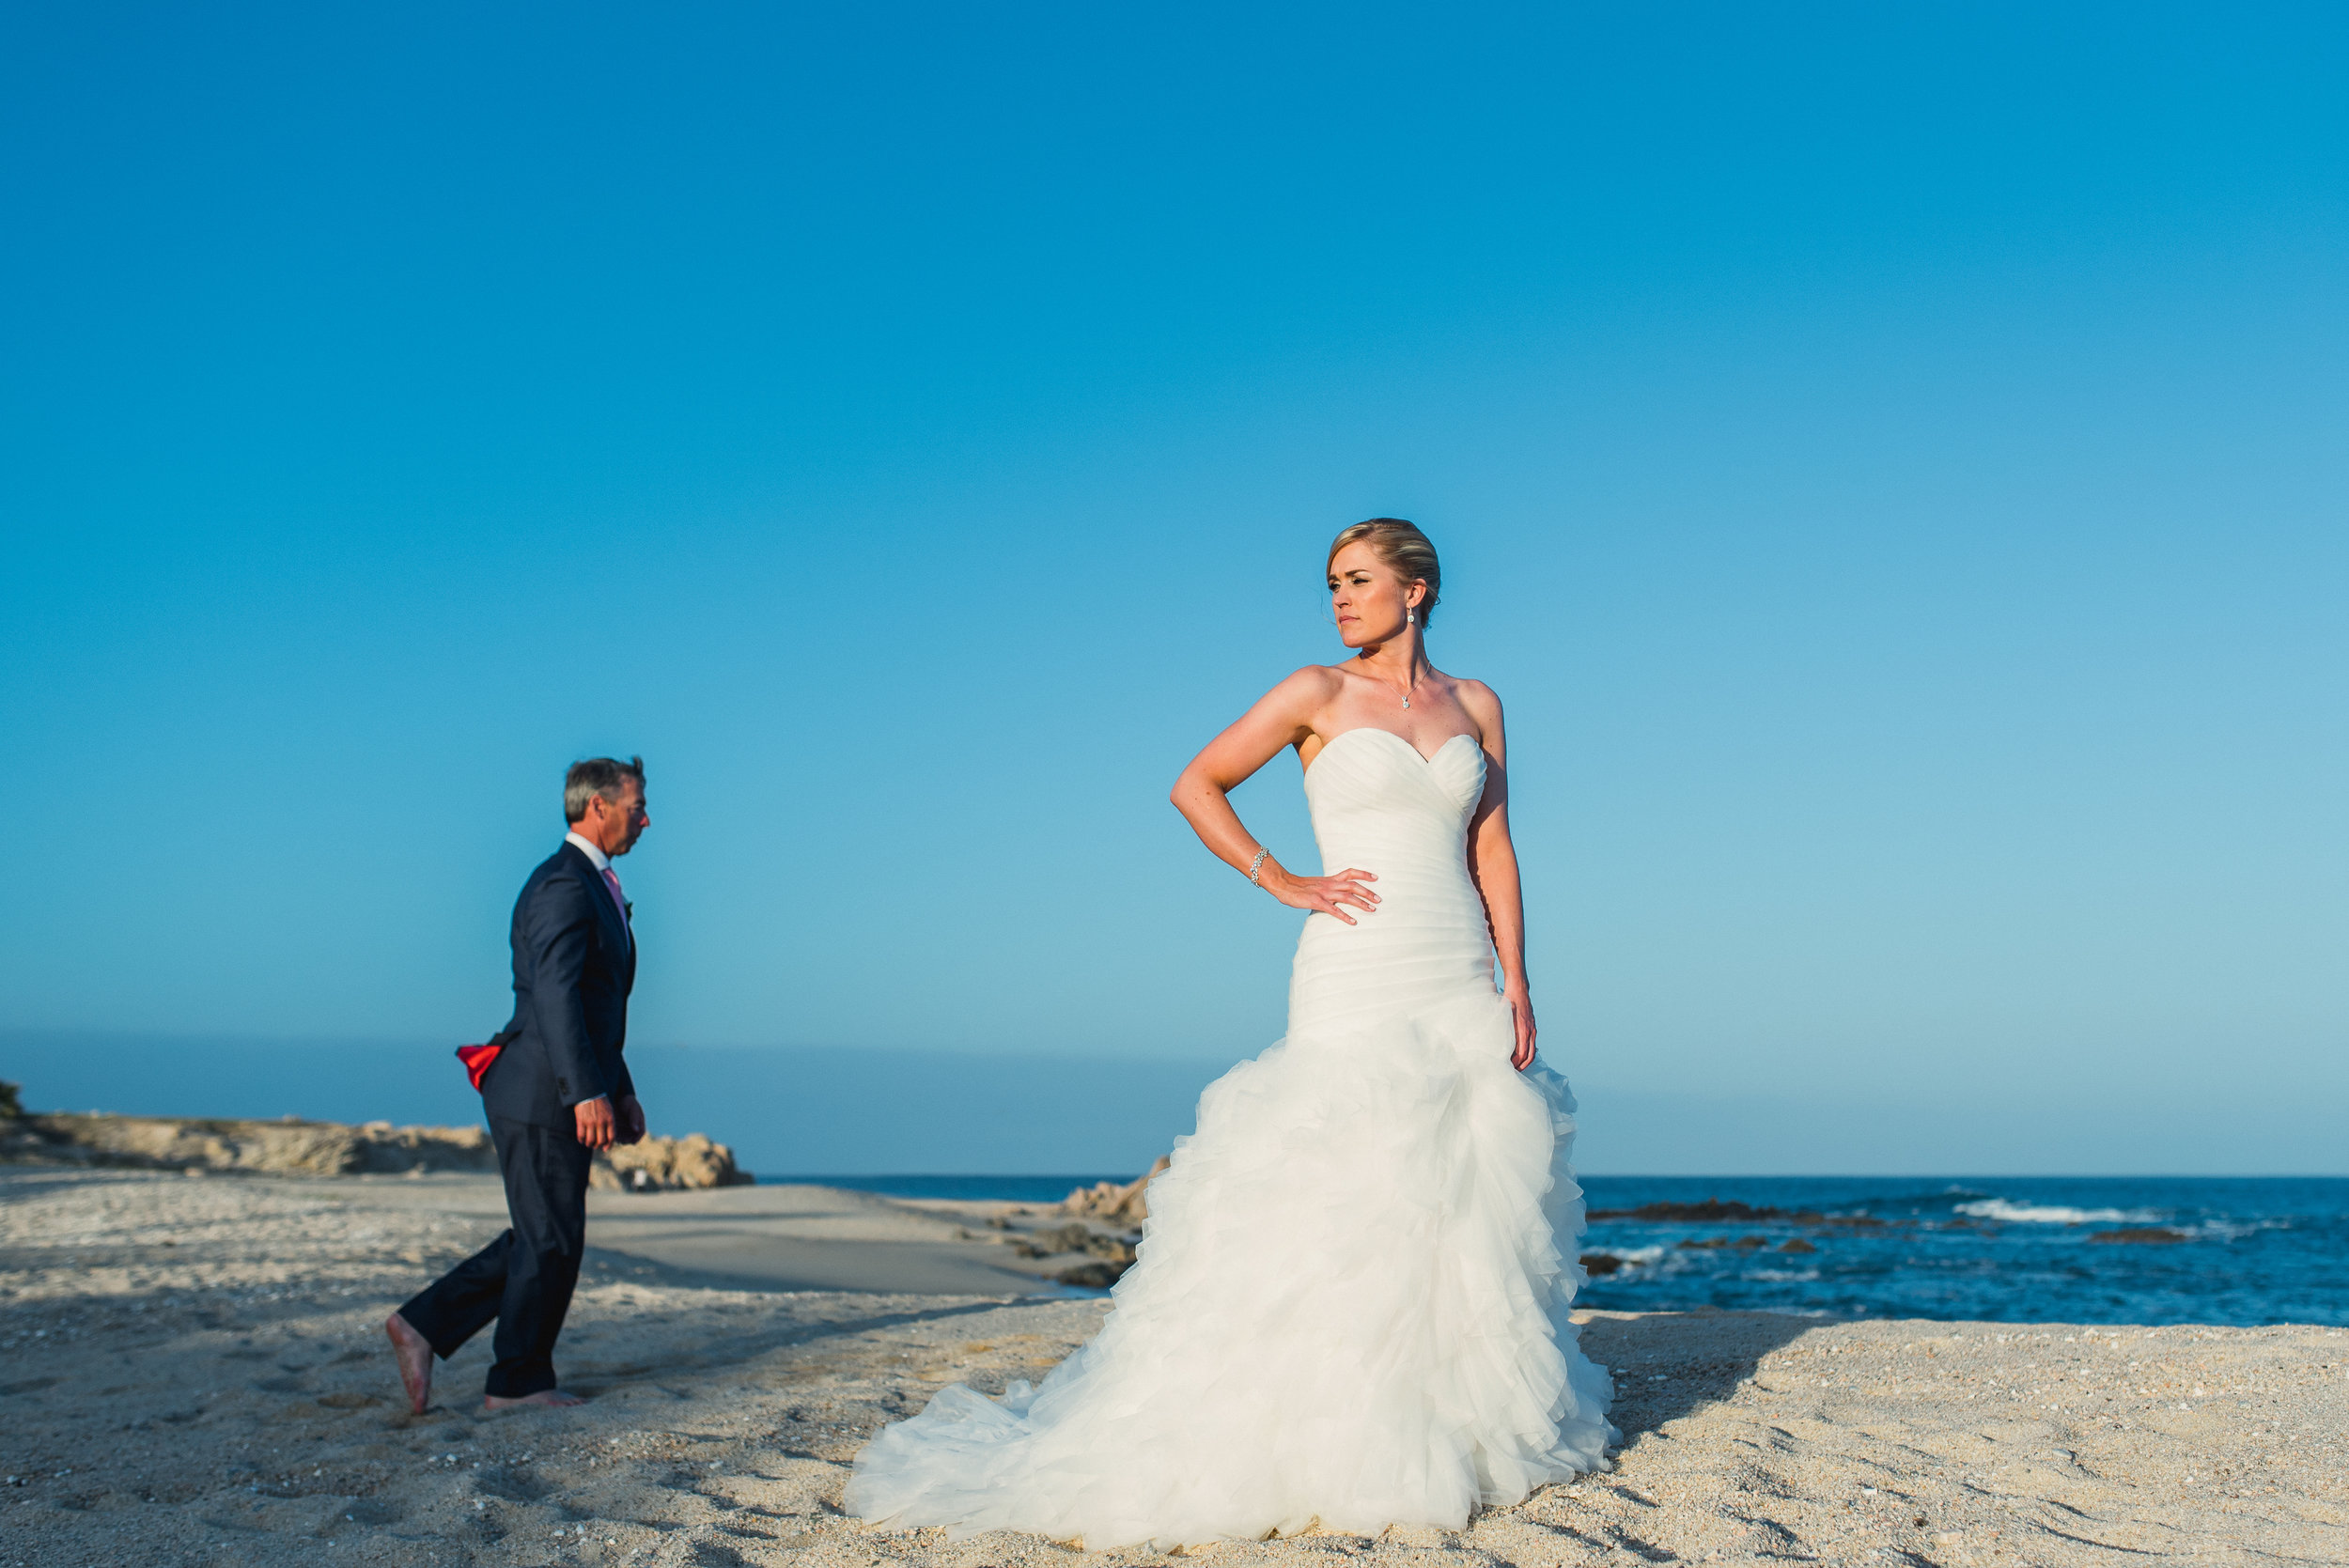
pixel 574 966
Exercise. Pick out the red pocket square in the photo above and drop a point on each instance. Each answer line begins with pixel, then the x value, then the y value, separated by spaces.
pixel 477 1058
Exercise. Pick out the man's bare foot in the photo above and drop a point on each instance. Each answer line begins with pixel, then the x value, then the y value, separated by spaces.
pixel 545 1396
pixel 414 1353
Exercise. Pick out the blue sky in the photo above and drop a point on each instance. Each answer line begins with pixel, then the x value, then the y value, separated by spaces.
pixel 1888 460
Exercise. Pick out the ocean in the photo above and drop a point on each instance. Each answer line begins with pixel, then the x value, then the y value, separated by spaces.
pixel 2218 1249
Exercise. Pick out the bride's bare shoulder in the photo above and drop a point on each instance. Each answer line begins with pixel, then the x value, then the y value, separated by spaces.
pixel 1482 702
pixel 1294 704
pixel 1314 684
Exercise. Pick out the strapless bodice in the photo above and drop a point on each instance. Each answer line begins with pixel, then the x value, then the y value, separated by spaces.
pixel 1380 806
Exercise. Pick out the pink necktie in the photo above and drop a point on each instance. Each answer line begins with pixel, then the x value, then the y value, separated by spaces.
pixel 614 883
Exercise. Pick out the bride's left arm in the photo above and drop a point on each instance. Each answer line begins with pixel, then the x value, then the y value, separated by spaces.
pixel 1493 864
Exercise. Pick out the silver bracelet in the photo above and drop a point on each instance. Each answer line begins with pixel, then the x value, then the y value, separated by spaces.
pixel 1256 869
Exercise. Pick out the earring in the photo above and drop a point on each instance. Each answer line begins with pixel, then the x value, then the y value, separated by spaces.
pixel 1410 617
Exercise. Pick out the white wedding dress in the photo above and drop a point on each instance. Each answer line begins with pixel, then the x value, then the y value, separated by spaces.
pixel 1350 1307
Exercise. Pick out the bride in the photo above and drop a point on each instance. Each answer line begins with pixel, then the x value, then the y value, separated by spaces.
pixel 1350 1307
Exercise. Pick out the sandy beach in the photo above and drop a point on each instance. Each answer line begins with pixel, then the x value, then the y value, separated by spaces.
pixel 195 1373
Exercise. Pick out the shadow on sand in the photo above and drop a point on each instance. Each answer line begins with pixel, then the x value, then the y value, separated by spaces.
pixel 1668 1365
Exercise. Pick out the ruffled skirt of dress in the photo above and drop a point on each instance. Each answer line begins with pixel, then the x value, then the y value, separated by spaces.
pixel 1350 1311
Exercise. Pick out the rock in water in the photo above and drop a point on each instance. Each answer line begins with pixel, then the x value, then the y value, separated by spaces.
pixel 1711 1211
pixel 2156 1234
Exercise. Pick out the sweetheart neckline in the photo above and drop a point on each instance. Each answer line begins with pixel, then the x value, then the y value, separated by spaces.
pixel 1426 759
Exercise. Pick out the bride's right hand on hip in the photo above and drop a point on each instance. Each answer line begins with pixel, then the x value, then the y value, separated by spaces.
pixel 1324 895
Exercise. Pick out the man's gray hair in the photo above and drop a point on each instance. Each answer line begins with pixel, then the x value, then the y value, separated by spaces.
pixel 604 776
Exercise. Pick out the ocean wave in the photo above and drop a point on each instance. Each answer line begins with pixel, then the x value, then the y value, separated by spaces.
pixel 2053 1213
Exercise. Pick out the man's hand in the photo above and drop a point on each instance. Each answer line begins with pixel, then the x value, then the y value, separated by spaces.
pixel 595 1122
pixel 631 1120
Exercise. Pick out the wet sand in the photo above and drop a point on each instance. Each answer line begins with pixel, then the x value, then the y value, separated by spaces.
pixel 193 1371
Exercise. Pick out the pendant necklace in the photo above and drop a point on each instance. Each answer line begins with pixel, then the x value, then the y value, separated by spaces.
pixel 1407 684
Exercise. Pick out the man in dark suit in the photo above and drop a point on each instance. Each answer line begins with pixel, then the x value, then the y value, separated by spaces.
pixel 558 1091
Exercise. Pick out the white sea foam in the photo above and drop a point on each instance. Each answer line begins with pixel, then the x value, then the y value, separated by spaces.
pixel 2053 1213
pixel 1636 1258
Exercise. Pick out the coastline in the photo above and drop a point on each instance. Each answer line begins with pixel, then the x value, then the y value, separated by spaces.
pixel 198 1374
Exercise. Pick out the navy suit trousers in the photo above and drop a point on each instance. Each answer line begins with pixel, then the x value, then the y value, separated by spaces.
pixel 524 1278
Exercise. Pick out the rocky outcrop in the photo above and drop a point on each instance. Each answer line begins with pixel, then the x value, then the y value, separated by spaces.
pixel 293 1147
pixel 1097 1275
pixel 1111 1203
pixel 2156 1235
pixel 668 1165
pixel 1104 1256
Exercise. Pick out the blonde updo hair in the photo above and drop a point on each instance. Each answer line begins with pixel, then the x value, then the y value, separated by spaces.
pixel 1402 547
